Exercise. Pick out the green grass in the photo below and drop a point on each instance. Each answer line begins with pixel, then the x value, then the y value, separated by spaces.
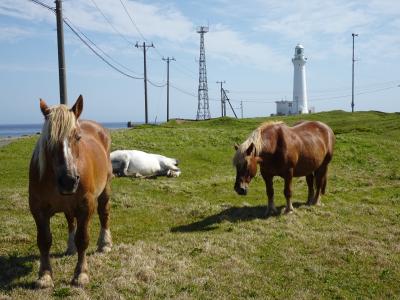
pixel 193 237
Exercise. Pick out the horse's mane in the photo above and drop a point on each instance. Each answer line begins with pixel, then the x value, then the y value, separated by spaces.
pixel 60 124
pixel 256 138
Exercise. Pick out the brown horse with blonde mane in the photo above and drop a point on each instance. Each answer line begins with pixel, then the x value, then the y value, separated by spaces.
pixel 70 169
pixel 302 150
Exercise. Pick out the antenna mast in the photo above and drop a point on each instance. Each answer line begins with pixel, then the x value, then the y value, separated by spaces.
pixel 203 108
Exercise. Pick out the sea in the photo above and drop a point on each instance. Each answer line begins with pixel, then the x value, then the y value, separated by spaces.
pixel 18 130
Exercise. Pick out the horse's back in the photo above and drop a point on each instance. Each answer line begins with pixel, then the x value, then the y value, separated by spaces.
pixel 314 132
pixel 139 162
pixel 309 146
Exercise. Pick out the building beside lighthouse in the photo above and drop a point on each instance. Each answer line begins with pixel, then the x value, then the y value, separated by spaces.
pixel 299 104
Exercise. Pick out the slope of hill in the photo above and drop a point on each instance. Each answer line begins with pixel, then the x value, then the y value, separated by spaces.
pixel 193 237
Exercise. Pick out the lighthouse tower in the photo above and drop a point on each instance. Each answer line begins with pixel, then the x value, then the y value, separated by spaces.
pixel 300 105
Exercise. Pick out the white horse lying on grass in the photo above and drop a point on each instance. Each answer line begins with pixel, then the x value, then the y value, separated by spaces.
pixel 137 163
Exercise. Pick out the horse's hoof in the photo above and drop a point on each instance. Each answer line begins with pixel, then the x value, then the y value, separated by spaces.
pixel 81 280
pixel 104 249
pixel 289 211
pixel 317 203
pixel 70 251
pixel 271 212
pixel 45 282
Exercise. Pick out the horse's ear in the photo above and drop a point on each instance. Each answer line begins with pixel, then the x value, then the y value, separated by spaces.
pixel 250 149
pixel 44 108
pixel 78 107
pixel 236 146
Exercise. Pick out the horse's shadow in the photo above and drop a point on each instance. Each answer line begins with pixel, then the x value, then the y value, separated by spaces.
pixel 232 214
pixel 14 267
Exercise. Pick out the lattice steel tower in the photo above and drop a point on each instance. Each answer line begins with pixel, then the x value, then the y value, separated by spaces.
pixel 203 108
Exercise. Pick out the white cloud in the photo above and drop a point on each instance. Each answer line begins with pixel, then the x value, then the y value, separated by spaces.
pixel 230 46
pixel 25 10
pixel 153 20
pixel 12 34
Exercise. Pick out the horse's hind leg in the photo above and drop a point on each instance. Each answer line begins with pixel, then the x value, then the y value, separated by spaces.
pixel 44 240
pixel 310 184
pixel 104 243
pixel 288 194
pixel 71 247
pixel 320 180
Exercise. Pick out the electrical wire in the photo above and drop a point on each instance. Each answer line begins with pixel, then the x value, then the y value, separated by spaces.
pixel 98 54
pixel 160 85
pixel 98 48
pixel 112 26
pixel 44 5
pixel 132 21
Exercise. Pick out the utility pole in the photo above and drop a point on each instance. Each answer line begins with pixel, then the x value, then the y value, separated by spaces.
pixel 352 77
pixel 61 59
pixel 241 108
pixel 144 46
pixel 223 110
pixel 227 99
pixel 168 59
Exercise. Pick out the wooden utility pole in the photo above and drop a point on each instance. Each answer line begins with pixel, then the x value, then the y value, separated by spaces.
pixel 61 59
pixel 223 107
pixel 241 108
pixel 352 76
pixel 168 59
pixel 144 46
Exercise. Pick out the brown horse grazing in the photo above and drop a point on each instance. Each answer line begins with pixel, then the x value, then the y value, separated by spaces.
pixel 302 150
pixel 70 169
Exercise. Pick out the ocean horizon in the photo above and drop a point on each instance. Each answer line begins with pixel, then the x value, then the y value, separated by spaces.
pixel 18 130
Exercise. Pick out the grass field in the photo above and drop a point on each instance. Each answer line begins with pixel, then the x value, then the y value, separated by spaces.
pixel 193 237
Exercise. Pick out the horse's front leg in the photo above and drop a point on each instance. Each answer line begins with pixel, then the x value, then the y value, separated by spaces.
pixel 271 209
pixel 71 248
pixel 81 277
pixel 44 240
pixel 288 192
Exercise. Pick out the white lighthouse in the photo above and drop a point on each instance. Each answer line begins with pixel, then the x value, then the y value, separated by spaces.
pixel 300 105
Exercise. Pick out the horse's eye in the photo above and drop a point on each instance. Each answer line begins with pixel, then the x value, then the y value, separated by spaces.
pixel 78 137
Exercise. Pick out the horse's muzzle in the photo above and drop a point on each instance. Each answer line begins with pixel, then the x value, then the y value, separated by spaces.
pixel 68 184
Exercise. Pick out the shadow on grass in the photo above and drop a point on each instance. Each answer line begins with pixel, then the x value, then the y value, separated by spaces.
pixel 232 214
pixel 14 267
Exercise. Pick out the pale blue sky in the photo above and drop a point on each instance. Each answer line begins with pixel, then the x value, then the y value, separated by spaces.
pixel 250 46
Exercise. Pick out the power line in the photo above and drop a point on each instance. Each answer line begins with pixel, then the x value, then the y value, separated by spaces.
pixel 132 21
pixel 98 54
pixel 326 98
pixel 109 22
pixel 360 93
pixel 155 48
pixel 43 5
pixel 102 51
pixel 160 85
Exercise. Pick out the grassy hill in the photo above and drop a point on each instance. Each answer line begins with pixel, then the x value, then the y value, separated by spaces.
pixel 193 237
